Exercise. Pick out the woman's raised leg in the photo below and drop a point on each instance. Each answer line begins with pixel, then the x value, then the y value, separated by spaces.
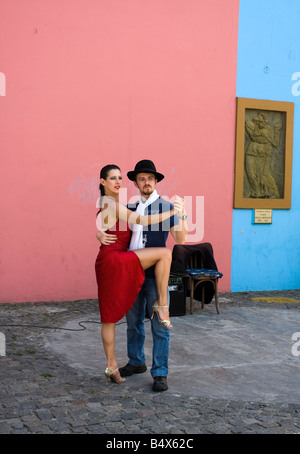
pixel 161 258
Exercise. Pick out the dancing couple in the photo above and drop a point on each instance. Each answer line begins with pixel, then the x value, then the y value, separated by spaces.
pixel 133 267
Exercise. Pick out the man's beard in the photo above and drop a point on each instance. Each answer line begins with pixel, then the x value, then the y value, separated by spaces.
pixel 147 191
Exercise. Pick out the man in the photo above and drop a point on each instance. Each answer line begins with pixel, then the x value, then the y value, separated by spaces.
pixel 145 178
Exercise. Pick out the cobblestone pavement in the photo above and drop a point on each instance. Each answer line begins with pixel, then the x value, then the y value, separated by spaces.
pixel 41 393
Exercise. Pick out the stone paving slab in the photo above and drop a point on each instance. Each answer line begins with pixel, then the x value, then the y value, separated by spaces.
pixel 232 373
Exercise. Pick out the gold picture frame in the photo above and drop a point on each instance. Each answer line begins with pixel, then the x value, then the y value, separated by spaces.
pixel 263 154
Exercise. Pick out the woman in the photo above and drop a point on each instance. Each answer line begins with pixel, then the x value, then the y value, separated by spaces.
pixel 120 273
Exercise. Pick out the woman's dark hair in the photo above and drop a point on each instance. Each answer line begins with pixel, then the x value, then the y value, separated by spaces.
pixel 104 173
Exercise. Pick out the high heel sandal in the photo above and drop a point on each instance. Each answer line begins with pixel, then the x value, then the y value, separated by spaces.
pixel 109 375
pixel 166 323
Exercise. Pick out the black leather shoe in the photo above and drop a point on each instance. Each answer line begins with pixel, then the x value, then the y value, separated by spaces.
pixel 160 384
pixel 128 370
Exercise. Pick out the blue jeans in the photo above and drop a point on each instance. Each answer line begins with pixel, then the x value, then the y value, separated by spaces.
pixel 136 332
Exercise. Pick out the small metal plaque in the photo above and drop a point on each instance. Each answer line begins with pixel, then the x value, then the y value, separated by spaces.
pixel 262 216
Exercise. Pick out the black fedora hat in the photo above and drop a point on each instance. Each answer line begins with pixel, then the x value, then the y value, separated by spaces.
pixel 145 166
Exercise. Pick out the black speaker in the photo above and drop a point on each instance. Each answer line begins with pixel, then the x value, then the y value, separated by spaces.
pixel 177 289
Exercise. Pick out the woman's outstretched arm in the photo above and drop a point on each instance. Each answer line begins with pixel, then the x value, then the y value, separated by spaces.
pixel 113 210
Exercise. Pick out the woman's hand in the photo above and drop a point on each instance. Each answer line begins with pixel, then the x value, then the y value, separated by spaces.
pixel 106 238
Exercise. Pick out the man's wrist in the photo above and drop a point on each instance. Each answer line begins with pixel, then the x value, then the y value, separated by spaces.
pixel 183 217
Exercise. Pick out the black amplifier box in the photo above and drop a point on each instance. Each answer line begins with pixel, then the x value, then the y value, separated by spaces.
pixel 177 290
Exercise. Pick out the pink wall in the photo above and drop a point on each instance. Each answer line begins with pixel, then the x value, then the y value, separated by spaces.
pixel 91 82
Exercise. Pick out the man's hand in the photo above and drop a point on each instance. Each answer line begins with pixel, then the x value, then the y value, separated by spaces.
pixel 179 205
pixel 106 238
pixel 179 231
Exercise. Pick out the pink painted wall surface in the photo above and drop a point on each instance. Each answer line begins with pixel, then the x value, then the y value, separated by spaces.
pixel 108 81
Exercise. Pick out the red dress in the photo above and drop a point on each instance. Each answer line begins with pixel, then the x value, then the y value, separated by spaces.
pixel 119 274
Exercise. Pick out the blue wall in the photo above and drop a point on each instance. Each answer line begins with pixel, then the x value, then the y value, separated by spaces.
pixel 267 256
